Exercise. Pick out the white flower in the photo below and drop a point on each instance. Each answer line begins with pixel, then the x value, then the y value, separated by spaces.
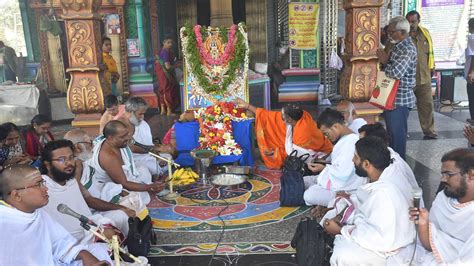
pixel 237 151
pixel 230 142
pixel 224 150
pixel 219 126
pixel 227 136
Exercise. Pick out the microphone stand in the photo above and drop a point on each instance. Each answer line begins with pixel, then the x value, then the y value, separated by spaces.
pixel 113 245
pixel 171 195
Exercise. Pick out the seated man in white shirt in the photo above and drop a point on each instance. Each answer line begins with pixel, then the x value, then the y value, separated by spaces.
pixel 29 235
pixel 135 109
pixel 59 167
pixel 446 232
pixel 408 184
pixel 381 224
pixel 340 174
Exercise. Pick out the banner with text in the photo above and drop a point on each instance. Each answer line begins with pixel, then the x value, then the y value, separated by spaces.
pixel 449 35
pixel 303 25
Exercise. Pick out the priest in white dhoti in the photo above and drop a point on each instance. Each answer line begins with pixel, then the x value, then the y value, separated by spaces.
pixel 381 224
pixel 113 163
pixel 446 233
pixel 59 168
pixel 135 109
pixel 29 235
pixel 340 174
pixel 85 174
pixel 406 180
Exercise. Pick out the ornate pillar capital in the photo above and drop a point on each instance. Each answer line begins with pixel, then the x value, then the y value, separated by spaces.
pixel 79 8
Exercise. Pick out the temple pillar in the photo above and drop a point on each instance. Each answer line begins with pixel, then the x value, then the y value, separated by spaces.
pixel 359 75
pixel 221 13
pixel 84 95
pixel 140 28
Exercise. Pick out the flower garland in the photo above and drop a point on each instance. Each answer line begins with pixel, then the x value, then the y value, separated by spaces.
pixel 215 126
pixel 229 48
pixel 231 74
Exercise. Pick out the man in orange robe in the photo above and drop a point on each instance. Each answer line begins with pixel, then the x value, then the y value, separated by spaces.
pixel 279 133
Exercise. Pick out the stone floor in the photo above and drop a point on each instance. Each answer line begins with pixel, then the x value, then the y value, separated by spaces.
pixel 424 156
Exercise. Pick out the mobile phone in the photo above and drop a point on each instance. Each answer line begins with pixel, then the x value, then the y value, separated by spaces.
pixel 319 161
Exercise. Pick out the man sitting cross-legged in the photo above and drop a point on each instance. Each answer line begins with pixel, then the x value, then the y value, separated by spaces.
pixel 446 233
pixel 114 163
pixel 85 173
pixel 59 171
pixel 134 117
pixel 29 235
pixel 381 223
pixel 340 174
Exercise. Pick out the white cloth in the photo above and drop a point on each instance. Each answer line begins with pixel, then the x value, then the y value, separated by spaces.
pixel 70 194
pixel 380 224
pixel 143 135
pixel 405 179
pixel 131 171
pixel 356 124
pixel 290 146
pixel 339 175
pixel 20 95
pixel 469 53
pixel 36 239
pixel 451 235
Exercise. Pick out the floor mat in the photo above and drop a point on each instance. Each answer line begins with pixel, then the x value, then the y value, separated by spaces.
pixel 252 204
pixel 223 249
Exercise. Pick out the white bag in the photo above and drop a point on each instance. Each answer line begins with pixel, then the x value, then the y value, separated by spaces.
pixel 335 61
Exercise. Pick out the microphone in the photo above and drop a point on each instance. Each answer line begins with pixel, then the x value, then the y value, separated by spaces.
pixel 417 193
pixel 63 208
pixel 147 148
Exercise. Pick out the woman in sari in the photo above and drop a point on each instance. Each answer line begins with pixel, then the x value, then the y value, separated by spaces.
pixel 168 85
pixel 37 135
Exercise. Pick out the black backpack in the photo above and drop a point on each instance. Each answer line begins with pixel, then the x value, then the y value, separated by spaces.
pixel 140 236
pixel 292 184
pixel 311 243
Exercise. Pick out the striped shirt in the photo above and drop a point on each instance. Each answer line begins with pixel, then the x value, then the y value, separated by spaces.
pixel 402 66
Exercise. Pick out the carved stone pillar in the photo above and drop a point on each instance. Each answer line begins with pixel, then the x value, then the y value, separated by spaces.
pixel 221 13
pixel 361 63
pixel 84 95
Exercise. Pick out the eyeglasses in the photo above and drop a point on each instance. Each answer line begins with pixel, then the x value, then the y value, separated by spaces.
pixel 389 32
pixel 39 184
pixel 63 160
pixel 449 175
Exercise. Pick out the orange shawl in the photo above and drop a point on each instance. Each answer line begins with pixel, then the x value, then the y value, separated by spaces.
pixel 271 132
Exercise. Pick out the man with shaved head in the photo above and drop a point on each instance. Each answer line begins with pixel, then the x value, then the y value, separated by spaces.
pixel 29 235
pixel 113 162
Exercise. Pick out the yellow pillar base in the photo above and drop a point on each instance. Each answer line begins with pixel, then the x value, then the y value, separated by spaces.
pixel 88 122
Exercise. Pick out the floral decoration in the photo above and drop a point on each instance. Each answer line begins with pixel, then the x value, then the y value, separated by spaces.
pixel 215 126
pixel 223 72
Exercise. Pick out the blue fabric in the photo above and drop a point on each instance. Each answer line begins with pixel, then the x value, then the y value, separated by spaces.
pixel 397 128
pixel 187 139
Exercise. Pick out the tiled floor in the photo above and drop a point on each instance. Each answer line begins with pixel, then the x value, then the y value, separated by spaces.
pixel 424 156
